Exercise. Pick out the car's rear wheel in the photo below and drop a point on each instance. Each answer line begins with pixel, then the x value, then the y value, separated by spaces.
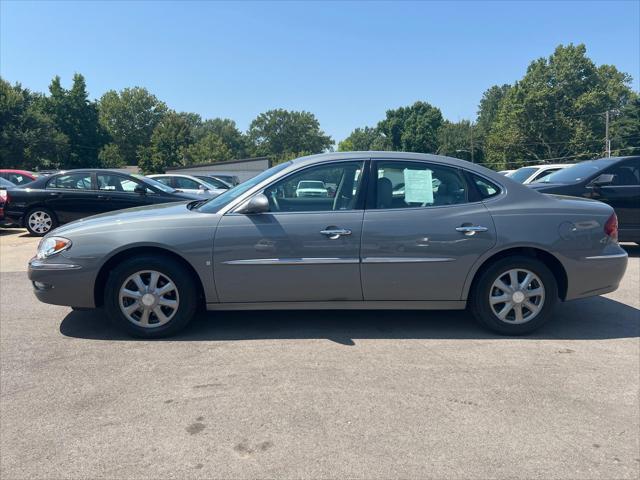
pixel 514 296
pixel 40 221
pixel 150 297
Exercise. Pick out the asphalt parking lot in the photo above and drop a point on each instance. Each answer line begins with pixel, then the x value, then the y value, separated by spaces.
pixel 317 394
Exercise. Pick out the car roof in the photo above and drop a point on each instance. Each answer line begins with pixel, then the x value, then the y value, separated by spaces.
pixel 172 175
pixel 14 170
pixel 383 155
pixel 91 170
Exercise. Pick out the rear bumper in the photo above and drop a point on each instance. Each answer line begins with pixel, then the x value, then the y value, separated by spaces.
pixel 61 283
pixel 596 275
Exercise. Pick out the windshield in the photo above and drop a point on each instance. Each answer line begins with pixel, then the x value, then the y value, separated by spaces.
pixel 578 172
pixel 214 182
pixel 154 183
pixel 523 173
pixel 5 183
pixel 215 204
pixel 544 178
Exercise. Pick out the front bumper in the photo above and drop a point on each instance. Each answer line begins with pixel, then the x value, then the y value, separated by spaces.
pixel 59 281
pixel 596 275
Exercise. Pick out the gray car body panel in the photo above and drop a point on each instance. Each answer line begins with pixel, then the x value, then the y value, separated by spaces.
pixel 279 260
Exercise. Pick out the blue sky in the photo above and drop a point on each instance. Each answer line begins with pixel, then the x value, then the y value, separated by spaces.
pixel 345 62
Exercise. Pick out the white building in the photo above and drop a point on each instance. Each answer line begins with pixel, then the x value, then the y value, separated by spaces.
pixel 244 169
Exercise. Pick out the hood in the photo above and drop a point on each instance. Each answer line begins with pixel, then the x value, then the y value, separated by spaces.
pixel 186 195
pixel 111 220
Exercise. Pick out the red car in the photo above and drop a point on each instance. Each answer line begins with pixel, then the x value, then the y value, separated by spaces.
pixel 18 177
pixel 5 186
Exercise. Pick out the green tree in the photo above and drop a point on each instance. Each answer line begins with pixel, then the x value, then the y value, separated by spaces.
pixel 363 139
pixel 412 129
pixel 28 137
pixel 280 132
pixel 210 148
pixel 169 144
pixel 130 117
pixel 226 130
pixel 625 129
pixel 458 139
pixel 77 118
pixel 556 112
pixel 110 156
pixel 489 106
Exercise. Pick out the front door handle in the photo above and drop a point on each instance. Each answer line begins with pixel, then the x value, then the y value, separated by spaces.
pixel 335 233
pixel 104 197
pixel 470 230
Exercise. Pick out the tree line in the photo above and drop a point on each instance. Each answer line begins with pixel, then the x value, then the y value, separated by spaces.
pixel 66 129
pixel 558 111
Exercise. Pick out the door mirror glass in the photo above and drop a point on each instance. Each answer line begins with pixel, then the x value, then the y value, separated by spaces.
pixel 257 204
pixel 602 180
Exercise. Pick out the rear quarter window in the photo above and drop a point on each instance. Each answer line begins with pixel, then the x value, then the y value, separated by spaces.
pixel 485 188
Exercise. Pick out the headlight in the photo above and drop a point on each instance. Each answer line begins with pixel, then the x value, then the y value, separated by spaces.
pixel 52 245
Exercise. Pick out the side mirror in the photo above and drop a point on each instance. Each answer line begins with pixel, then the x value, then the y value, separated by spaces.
pixel 602 180
pixel 141 189
pixel 257 204
pixel 203 188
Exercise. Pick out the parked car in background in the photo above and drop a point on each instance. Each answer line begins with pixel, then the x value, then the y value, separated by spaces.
pixel 506 172
pixel 232 180
pixel 614 181
pixel 526 175
pixel 216 182
pixel 481 240
pixel 18 177
pixel 189 184
pixel 5 187
pixel 47 172
pixel 66 196
pixel 311 188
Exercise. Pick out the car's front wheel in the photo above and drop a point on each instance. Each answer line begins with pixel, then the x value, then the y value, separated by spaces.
pixel 150 297
pixel 40 221
pixel 514 296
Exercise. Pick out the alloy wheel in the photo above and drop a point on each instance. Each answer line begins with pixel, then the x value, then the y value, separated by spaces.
pixel 517 296
pixel 40 222
pixel 149 299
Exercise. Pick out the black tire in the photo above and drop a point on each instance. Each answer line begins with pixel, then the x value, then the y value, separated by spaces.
pixel 185 287
pixel 480 305
pixel 39 232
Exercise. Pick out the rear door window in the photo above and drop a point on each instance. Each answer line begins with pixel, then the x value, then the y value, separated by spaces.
pixel 73 181
pixel 402 184
pixel 117 183
pixel 185 183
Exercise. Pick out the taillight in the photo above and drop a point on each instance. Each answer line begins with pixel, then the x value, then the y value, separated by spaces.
pixel 611 227
pixel 4 196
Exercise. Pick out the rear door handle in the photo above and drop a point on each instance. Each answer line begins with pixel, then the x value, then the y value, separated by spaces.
pixel 104 197
pixel 471 229
pixel 335 233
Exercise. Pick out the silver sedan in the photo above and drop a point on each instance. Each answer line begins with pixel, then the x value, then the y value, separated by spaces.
pixel 398 231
